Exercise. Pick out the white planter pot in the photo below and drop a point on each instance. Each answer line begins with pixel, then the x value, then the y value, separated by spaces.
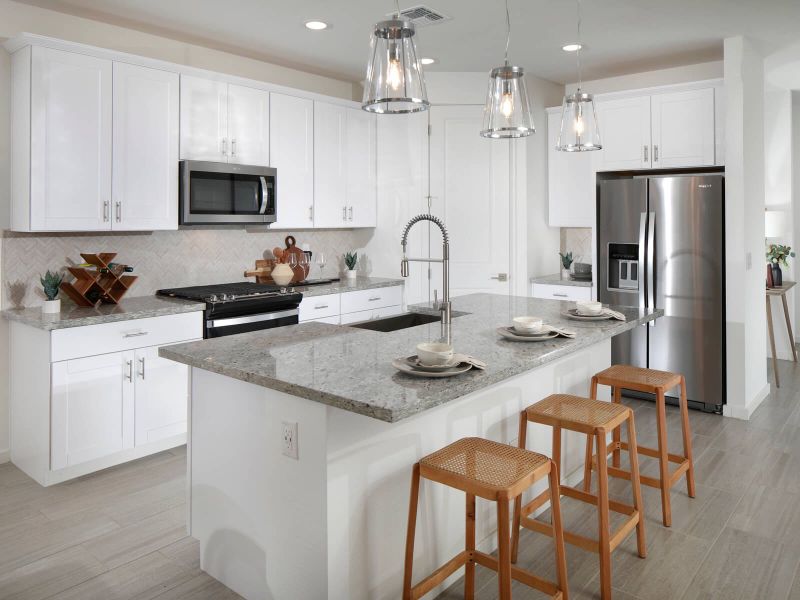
pixel 351 274
pixel 51 306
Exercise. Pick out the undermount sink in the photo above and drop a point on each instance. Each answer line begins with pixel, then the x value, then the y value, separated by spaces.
pixel 397 322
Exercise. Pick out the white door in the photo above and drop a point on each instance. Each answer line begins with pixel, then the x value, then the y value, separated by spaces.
pixel 361 168
pixel 570 181
pixel 248 125
pixel 70 141
pixel 291 135
pixel 625 133
pixel 683 128
pixel 162 393
pixel 145 149
pixel 204 119
pixel 330 166
pixel 469 178
pixel 92 408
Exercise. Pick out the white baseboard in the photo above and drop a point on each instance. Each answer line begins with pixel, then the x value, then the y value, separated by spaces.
pixel 744 413
pixel 5 456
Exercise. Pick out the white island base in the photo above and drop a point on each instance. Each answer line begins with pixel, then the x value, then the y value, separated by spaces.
pixel 331 524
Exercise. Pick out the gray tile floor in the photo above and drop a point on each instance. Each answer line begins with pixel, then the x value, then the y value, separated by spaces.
pixel 119 534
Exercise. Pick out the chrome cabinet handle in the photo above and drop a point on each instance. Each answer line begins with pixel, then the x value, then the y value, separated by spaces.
pixel 118 209
pixel 311 213
pixel 105 211
pixel 141 373
pixel 136 334
pixel 129 376
pixel 560 295
pixel 320 306
pixel 351 213
pixel 646 154
pixel 501 277
pixel 655 153
pixel 344 213
pixel 374 298
pixel 233 147
pixel 224 147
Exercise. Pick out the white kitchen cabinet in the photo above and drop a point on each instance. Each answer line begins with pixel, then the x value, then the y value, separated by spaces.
pixel 570 181
pixel 683 128
pixel 161 396
pixel 361 160
pixel 330 166
pixel 145 148
pixel 292 154
pixel 248 125
pixel 371 315
pixel 350 307
pixel 61 141
pixel 204 119
pixel 313 308
pixel 92 408
pixel 625 133
pixel 561 292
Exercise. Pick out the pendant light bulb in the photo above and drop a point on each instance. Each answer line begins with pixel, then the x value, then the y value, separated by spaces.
pixel 507 105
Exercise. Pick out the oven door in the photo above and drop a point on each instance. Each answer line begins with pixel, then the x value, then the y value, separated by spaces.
pixel 221 193
pixel 219 327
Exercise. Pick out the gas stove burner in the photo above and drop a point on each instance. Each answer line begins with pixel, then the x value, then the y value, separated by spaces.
pixel 227 292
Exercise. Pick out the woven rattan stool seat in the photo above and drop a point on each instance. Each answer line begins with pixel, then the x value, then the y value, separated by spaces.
pixel 638 378
pixel 490 464
pixel 576 411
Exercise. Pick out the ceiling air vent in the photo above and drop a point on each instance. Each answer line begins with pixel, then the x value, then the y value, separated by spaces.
pixel 421 15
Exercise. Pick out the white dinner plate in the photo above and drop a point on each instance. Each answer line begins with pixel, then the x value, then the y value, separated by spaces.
pixel 413 361
pixel 573 313
pixel 509 334
pixel 401 364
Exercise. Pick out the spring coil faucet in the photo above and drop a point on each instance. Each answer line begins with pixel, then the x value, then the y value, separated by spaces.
pixel 444 306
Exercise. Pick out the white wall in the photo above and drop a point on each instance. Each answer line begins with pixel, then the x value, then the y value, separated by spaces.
pixel 684 74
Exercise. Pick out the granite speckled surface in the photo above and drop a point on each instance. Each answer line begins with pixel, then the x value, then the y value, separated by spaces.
pixel 74 316
pixel 556 280
pixel 351 368
pixel 345 285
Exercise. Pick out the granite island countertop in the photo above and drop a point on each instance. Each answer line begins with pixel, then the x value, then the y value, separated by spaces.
pixel 351 368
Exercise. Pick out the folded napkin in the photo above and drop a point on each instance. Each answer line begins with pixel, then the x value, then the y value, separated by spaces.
pixel 614 314
pixel 567 333
pixel 477 363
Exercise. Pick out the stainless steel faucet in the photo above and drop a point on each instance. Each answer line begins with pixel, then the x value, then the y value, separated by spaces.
pixel 444 306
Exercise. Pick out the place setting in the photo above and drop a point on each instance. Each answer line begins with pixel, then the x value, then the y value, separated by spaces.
pixel 533 329
pixel 591 310
pixel 437 360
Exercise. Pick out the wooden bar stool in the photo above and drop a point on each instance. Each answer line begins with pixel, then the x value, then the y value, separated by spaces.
pixel 650 381
pixel 497 472
pixel 594 418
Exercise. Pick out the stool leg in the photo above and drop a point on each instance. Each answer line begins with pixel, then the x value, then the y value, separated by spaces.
pixel 687 439
pixel 633 455
pixel 587 465
pixel 412 526
pixel 663 460
pixel 469 571
pixel 557 446
pixel 503 550
pixel 617 435
pixel 521 441
pixel 604 541
pixel 558 531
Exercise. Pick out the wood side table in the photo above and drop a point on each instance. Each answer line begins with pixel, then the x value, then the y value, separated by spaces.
pixel 779 291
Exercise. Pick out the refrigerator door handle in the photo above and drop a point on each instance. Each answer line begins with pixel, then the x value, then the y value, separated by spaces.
pixel 651 267
pixel 642 246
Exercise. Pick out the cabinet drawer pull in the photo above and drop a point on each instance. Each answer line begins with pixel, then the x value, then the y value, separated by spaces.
pixel 655 153
pixel 351 213
pixel 344 213
pixel 224 147
pixel 646 157
pixel 560 295
pixel 374 298
pixel 129 364
pixel 320 306
pixel 233 147
pixel 119 211
pixel 105 210
pixel 135 334
pixel 141 372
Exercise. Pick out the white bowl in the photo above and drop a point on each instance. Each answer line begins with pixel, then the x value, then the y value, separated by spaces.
pixel 589 307
pixel 434 354
pixel 528 324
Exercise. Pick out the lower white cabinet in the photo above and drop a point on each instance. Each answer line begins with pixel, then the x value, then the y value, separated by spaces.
pixel 561 292
pixel 369 315
pixel 351 307
pixel 161 395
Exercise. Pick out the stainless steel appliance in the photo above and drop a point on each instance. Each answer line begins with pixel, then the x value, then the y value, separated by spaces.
pixel 668 230
pixel 240 307
pixel 214 193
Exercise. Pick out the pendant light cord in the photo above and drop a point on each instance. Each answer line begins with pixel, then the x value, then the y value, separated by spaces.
pixel 580 44
pixel 397 7
pixel 508 31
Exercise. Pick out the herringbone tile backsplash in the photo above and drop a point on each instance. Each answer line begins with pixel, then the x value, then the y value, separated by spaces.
pixel 161 259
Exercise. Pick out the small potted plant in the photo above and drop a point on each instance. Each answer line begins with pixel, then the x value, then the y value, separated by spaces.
pixel 351 262
pixel 776 256
pixel 50 283
pixel 566 263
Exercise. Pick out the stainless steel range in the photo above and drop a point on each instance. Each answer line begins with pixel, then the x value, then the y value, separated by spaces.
pixel 239 307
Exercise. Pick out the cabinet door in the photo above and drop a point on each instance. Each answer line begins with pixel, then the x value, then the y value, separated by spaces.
pixel 70 186
pixel 145 155
pixel 92 408
pixel 683 129
pixel 362 186
pixel 162 393
pixel 625 133
pixel 570 181
pixel 204 119
pixel 291 142
pixel 330 166
pixel 248 125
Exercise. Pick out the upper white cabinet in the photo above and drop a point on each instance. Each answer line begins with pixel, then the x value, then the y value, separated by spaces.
pixel 145 148
pixel 292 147
pixel 362 176
pixel 683 128
pixel 223 122
pixel 625 133
pixel 570 182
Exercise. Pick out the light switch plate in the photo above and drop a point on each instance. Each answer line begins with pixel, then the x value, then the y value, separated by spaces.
pixel 289 439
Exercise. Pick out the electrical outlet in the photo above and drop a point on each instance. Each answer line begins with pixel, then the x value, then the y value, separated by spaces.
pixel 289 439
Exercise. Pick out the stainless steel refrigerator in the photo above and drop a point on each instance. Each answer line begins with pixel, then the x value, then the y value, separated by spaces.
pixel 661 243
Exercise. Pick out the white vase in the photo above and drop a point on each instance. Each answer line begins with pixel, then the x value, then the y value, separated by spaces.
pixel 282 274
pixel 51 306
pixel 351 273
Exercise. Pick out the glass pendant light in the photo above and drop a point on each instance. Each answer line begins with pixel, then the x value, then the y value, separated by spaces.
pixel 395 83
pixel 507 113
pixel 579 130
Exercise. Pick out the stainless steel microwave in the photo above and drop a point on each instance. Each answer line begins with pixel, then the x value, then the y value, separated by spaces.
pixel 213 193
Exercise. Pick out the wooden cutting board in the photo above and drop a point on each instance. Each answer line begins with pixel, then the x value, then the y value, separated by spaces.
pixel 301 270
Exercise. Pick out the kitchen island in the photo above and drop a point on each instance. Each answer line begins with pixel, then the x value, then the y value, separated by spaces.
pixel 331 522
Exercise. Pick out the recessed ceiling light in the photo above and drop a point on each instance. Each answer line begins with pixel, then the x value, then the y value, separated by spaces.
pixel 316 25
pixel 427 61
pixel 572 47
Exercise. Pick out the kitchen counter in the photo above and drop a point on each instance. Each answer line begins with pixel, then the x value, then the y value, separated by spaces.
pixel 556 280
pixel 75 316
pixel 347 285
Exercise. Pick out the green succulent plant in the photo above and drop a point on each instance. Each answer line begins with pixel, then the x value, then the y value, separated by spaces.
pixel 351 260
pixel 50 283
pixel 566 260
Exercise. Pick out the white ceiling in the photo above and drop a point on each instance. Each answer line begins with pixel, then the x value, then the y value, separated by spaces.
pixel 621 36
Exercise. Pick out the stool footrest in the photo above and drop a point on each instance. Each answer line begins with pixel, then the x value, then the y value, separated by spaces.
pixel 651 481
pixel 520 575
pixel 580 541
pixel 440 574
pixel 653 453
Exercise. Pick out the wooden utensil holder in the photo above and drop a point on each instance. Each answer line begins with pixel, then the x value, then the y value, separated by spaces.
pixel 92 287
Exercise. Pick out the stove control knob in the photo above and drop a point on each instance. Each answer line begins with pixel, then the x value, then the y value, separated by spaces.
pixel 225 297
pixel 212 298
pixel 283 290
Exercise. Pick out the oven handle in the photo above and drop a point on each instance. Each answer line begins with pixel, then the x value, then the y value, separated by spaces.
pixel 218 323
pixel 264 196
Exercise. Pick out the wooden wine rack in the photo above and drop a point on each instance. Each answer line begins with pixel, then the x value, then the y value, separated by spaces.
pixel 91 286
